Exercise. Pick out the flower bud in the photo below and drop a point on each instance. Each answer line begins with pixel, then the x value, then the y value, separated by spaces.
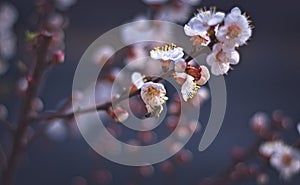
pixel 194 72
pixel 58 57
pixel 205 75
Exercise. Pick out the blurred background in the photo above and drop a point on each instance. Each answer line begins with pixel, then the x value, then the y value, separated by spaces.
pixel 266 79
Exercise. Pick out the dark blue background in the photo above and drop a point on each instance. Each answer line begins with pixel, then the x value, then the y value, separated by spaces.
pixel 267 78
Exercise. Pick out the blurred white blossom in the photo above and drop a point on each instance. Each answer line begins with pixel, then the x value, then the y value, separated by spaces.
pixel 191 2
pixel 145 30
pixel 8 17
pixel 176 12
pixel 137 57
pixel 259 122
pixel 236 30
pixel 283 158
pixel 103 54
pixel 155 1
pixel 220 59
pixel 64 4
pixel 141 29
pixel 57 130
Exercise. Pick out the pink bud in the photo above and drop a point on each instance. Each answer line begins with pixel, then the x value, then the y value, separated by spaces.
pixel 58 57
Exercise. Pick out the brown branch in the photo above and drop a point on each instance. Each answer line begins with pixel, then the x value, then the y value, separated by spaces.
pixel 24 118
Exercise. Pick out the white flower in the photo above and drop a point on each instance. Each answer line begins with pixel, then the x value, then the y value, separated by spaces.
pixel 198 26
pixel 180 65
pixel 167 52
pixel 220 59
pixel 189 88
pixel 236 30
pixel 282 157
pixel 154 96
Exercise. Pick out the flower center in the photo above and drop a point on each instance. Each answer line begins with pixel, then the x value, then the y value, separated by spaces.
pixel 286 159
pixel 221 57
pixel 234 31
pixel 152 92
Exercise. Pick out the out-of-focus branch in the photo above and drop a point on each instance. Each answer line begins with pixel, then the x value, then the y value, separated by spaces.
pixel 24 115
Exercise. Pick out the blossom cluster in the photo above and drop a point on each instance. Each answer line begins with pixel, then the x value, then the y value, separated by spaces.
pixel 224 33
pixel 8 17
pixel 189 77
pixel 284 158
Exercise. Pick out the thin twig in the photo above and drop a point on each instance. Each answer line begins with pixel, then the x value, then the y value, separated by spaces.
pixel 102 107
